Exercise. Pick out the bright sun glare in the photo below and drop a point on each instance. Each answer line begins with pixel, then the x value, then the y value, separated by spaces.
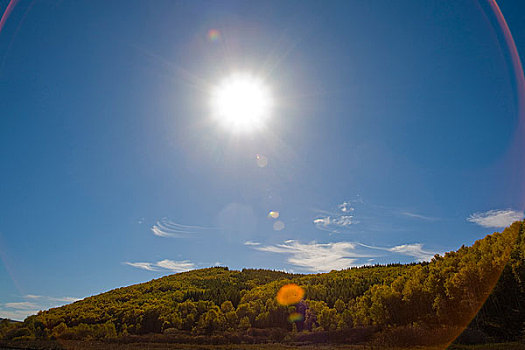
pixel 241 103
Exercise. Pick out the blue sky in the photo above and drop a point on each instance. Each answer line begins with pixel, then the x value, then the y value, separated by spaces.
pixel 395 134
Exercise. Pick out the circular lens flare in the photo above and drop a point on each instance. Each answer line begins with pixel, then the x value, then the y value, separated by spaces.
pixel 290 294
pixel 278 225
pixel 214 35
pixel 241 103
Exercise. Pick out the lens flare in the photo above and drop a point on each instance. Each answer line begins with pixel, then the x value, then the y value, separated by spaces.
pixel 295 317
pixel 214 35
pixel 278 225
pixel 290 294
pixel 262 161
pixel 7 12
pixel 273 215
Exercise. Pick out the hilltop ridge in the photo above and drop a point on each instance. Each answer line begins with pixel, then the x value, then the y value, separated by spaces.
pixel 426 302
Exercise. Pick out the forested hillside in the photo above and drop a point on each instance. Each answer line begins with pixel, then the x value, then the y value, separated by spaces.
pixel 418 303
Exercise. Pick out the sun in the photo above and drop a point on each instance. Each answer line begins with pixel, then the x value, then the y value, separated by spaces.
pixel 241 103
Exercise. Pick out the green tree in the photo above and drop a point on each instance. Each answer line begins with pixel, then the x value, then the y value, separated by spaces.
pixel 244 323
pixel 227 306
pixel 339 306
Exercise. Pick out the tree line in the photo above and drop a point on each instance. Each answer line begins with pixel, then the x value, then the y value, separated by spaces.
pixel 481 286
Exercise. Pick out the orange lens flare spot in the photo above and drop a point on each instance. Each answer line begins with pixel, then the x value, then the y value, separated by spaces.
pixel 290 294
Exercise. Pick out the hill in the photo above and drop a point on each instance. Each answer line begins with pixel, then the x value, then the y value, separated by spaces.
pixel 482 287
pixel 8 321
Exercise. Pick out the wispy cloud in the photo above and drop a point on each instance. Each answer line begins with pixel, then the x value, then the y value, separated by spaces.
pixel 415 250
pixel 343 220
pixel 499 218
pixel 19 310
pixel 334 221
pixel 168 228
pixel 321 257
pixel 251 243
pixel 176 266
pixel 143 265
pixel 23 305
pixel 17 315
pixel 316 257
pixel 322 221
pixel 65 299
pixel 164 265
pixel 419 216
pixel 32 296
pixel 51 299
pixel 345 207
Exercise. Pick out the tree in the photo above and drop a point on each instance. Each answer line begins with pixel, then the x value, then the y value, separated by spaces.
pixel 227 306
pixel 210 321
pixel 244 323
pixel 340 306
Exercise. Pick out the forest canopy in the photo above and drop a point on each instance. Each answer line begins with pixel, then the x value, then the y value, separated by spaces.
pixel 481 286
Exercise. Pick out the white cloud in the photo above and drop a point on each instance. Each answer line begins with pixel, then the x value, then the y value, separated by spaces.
pixel 17 315
pixel 412 249
pixel 415 250
pixel 166 264
pixel 176 266
pixel 21 309
pixel 343 220
pixel 32 296
pixel 65 299
pixel 496 218
pixel 43 297
pixel 324 221
pixel 332 221
pixel 345 207
pixel 168 228
pixel 23 305
pixel 47 299
pixel 251 243
pixel 142 265
pixel 317 257
pixel 419 216
pixel 321 257
pixel 327 222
